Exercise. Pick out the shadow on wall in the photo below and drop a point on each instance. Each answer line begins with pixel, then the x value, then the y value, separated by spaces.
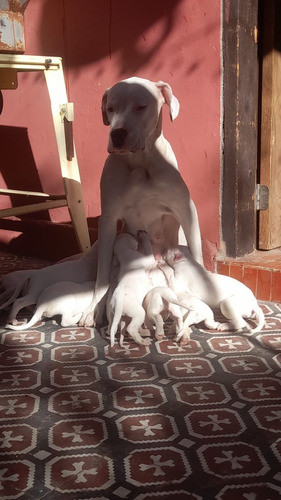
pixel 93 30
pixel 130 31
pixel 14 146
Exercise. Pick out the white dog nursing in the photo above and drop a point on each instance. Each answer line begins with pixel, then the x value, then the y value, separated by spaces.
pixel 140 184
pixel 142 187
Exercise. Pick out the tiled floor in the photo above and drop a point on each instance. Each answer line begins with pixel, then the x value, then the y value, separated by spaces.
pixel 260 271
pixel 80 420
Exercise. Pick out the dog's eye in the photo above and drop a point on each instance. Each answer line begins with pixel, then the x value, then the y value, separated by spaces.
pixel 141 108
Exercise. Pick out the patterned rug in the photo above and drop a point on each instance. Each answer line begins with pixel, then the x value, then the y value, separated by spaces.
pixel 81 420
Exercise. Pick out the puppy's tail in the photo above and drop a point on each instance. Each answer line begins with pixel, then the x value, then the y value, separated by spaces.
pixel 37 316
pixel 169 295
pixel 259 316
pixel 117 306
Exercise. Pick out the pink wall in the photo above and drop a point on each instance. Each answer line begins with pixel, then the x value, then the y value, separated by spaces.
pixel 177 41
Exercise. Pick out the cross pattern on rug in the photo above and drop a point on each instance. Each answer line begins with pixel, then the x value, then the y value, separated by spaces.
pixel 81 420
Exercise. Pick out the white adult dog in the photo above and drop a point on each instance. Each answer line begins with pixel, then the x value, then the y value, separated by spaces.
pixel 141 184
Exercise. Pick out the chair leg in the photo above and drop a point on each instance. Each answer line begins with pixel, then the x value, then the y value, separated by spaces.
pixel 69 168
pixel 76 209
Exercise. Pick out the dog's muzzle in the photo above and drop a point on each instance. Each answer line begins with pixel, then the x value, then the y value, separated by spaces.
pixel 118 137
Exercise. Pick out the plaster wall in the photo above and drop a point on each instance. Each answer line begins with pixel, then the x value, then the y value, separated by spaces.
pixel 177 41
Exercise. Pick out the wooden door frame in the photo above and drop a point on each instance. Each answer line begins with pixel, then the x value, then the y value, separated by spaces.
pixel 270 130
pixel 240 126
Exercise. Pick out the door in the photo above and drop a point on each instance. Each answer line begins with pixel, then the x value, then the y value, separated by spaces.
pixel 270 139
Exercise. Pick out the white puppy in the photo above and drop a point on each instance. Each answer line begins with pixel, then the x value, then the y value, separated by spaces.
pixel 66 299
pixel 185 309
pixel 133 284
pixel 198 312
pixel 78 271
pixel 193 310
pixel 159 304
pixel 235 300
pixel 141 184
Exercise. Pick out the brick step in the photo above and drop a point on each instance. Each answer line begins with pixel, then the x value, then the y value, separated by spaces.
pixel 260 271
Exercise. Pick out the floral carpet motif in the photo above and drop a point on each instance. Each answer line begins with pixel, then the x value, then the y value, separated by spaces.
pixel 81 420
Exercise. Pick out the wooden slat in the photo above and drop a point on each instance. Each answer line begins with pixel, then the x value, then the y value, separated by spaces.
pixel 34 207
pixel 8 192
pixel 270 158
pixel 29 63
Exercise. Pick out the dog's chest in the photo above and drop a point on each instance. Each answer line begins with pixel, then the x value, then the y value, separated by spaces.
pixel 144 192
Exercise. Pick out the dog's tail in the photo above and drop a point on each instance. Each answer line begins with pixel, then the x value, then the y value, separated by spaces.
pixel 117 302
pixel 37 316
pixel 169 295
pixel 259 317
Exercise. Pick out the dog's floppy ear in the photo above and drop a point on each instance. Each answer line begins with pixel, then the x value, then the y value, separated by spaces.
pixel 169 98
pixel 103 108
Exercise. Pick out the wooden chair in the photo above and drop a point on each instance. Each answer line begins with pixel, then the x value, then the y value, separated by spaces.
pixel 62 112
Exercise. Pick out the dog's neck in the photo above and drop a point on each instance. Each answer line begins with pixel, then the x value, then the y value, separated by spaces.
pixel 149 156
pixel 156 145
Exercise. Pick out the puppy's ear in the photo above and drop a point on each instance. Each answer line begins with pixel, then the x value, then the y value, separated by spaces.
pixel 103 108
pixel 169 99
pixel 177 256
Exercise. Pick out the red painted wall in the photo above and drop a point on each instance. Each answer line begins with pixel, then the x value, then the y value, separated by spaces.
pixel 177 41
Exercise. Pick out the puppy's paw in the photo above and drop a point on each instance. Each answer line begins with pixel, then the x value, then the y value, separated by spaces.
pixel 213 325
pixel 146 341
pixel 160 336
pixel 224 327
pixel 184 340
pixel 142 235
pixel 183 336
pixel 161 263
pixel 87 320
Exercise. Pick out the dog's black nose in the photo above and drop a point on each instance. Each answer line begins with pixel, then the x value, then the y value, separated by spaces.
pixel 118 136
